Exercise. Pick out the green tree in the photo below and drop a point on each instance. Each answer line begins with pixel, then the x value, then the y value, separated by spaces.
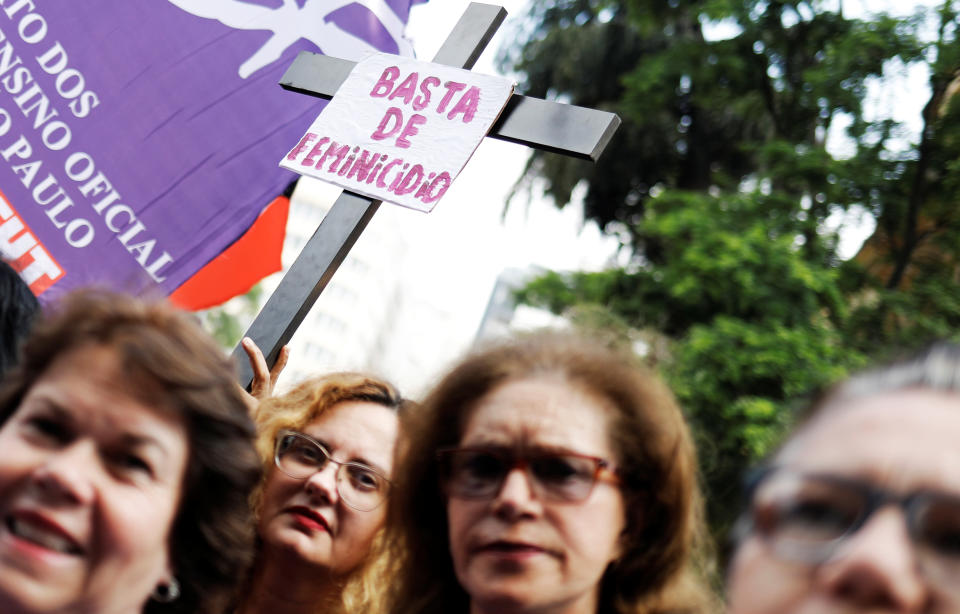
pixel 721 185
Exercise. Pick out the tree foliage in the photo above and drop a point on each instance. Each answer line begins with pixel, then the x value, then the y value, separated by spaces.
pixel 227 322
pixel 722 186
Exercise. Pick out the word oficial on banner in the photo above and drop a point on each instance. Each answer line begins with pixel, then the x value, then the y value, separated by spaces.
pixel 400 130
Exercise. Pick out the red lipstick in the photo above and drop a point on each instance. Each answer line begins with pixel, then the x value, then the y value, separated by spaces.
pixel 308 519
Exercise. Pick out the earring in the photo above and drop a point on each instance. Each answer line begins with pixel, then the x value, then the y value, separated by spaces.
pixel 165 593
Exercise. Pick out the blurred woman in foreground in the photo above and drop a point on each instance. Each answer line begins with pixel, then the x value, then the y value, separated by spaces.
pixel 327 448
pixel 548 475
pixel 126 462
pixel 860 510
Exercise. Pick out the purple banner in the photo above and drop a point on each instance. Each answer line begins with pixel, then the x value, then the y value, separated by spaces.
pixel 138 139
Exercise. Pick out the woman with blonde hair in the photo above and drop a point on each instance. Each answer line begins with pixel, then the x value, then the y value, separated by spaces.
pixel 327 448
pixel 547 474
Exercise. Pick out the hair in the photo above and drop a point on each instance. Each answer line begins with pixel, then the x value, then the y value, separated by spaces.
pixel 935 368
pixel 654 454
pixel 211 537
pixel 18 307
pixel 301 406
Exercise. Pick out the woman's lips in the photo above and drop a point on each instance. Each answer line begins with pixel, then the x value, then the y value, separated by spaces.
pixel 37 531
pixel 309 519
pixel 512 549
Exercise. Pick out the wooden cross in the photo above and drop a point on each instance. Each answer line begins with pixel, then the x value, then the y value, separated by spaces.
pixel 551 126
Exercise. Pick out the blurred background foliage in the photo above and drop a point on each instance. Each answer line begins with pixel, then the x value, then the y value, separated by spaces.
pixel 228 322
pixel 722 188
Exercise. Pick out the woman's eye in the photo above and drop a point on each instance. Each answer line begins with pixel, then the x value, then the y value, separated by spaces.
pixel 555 469
pixel 48 429
pixel 364 478
pixel 946 543
pixel 132 463
pixel 483 466
pixel 938 526
pixel 814 516
pixel 307 453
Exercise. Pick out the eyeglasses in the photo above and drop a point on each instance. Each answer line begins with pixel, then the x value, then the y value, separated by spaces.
pixel 479 473
pixel 805 517
pixel 300 456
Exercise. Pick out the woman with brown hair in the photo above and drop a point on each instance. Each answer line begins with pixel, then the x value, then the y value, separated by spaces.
pixel 327 448
pixel 547 474
pixel 126 462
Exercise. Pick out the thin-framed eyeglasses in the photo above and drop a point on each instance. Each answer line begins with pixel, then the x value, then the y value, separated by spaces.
pixel 300 456
pixel 479 472
pixel 806 517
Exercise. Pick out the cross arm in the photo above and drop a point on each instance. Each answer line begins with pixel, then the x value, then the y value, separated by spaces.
pixel 551 126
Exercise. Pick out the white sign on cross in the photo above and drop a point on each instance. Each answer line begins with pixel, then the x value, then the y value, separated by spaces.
pixel 400 130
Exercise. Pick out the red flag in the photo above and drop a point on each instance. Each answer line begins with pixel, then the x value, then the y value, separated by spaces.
pixel 252 257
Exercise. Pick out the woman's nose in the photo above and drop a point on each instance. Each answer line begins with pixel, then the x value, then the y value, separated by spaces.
pixel 67 474
pixel 877 567
pixel 516 498
pixel 322 485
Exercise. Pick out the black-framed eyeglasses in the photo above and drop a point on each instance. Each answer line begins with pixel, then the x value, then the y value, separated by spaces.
pixel 479 472
pixel 300 456
pixel 806 517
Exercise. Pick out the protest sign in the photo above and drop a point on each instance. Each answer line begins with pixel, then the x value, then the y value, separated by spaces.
pixel 400 130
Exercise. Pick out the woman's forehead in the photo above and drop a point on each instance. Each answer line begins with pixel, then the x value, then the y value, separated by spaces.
pixel 905 438
pixel 109 369
pixel 358 427
pixel 541 410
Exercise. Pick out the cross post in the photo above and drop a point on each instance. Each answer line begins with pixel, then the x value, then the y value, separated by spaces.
pixel 550 126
